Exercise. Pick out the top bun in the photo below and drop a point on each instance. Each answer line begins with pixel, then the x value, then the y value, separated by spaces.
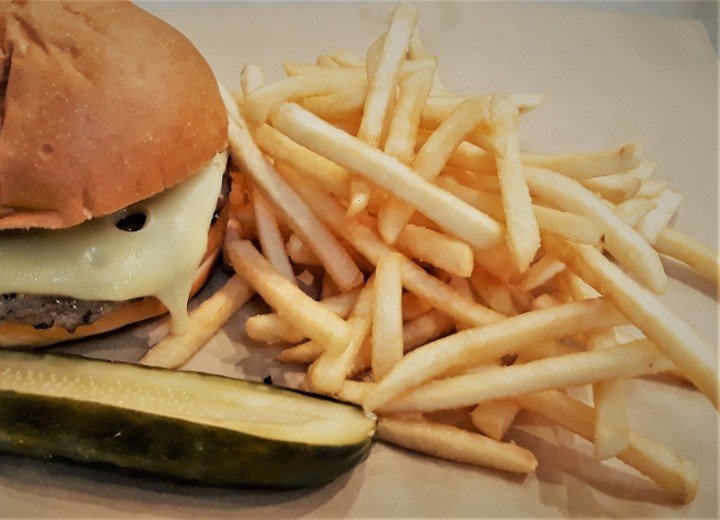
pixel 101 105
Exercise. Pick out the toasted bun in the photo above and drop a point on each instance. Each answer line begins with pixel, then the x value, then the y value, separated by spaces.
pixel 101 105
pixel 18 335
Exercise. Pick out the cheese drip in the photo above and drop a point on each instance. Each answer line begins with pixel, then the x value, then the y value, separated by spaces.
pixel 98 261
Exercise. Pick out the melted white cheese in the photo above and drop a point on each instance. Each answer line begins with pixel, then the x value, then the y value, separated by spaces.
pixel 97 261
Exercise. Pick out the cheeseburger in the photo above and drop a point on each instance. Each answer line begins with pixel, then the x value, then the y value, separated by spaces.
pixel 112 170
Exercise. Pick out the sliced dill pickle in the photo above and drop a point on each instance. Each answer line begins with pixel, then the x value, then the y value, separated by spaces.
pixel 187 425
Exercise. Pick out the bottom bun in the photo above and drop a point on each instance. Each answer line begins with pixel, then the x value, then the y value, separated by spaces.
pixel 20 335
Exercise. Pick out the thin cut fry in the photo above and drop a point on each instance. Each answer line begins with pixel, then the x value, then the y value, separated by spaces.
pixel 315 321
pixel 493 341
pixel 494 418
pixel 269 235
pixel 453 215
pixel 653 460
pixel 205 321
pixel 623 242
pixel 689 250
pixel 387 326
pixel 589 164
pixel 523 234
pixel 429 162
pixel 452 443
pixel 677 340
pixel 294 211
pixel 382 83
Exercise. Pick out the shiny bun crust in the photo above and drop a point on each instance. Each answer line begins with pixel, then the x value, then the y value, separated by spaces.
pixel 101 105
pixel 19 335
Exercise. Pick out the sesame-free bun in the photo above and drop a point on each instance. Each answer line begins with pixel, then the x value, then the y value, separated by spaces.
pixel 101 105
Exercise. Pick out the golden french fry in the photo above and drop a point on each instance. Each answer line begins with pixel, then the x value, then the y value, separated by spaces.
pixel 311 166
pixel 437 249
pixel 453 215
pixel 615 188
pixel 457 444
pixel 259 102
pixel 387 325
pixel 272 327
pixel 382 82
pixel 654 221
pixel 204 322
pixel 676 244
pixel 541 272
pixel 337 105
pixel 252 76
pixel 293 210
pixel 492 341
pixel 589 164
pixel 622 241
pixel 332 367
pixel 429 162
pixel 270 236
pixel 494 418
pixel 653 460
pixel 523 234
pixel 314 320
pixel 632 210
pixel 676 339
pixel 402 133
pixel 632 359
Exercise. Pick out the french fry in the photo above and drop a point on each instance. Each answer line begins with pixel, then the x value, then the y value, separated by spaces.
pixel 682 247
pixel 299 253
pixel 615 188
pixel 523 234
pixel 494 418
pixel 623 242
pixel 653 460
pixel 402 133
pixel 314 320
pixel 273 327
pixel 493 341
pixel 332 367
pixel 437 249
pixel 429 162
pixel 632 210
pixel 341 104
pixel 382 82
pixel 589 164
pixel 252 77
pixel 611 427
pixel 677 340
pixel 387 337
pixel 456 444
pixel 541 272
pixel 311 166
pixel 454 216
pixel 294 211
pixel 269 235
pixel 654 221
pixel 205 321
pixel 632 359
pixel 259 102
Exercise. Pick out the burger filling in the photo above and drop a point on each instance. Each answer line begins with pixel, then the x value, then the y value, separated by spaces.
pixel 151 248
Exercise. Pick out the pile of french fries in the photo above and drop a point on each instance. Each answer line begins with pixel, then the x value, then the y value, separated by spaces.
pixel 451 270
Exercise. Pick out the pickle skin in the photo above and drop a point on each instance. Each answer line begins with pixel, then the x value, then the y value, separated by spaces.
pixel 46 427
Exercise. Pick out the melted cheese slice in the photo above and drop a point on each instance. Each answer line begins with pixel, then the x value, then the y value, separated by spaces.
pixel 98 261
